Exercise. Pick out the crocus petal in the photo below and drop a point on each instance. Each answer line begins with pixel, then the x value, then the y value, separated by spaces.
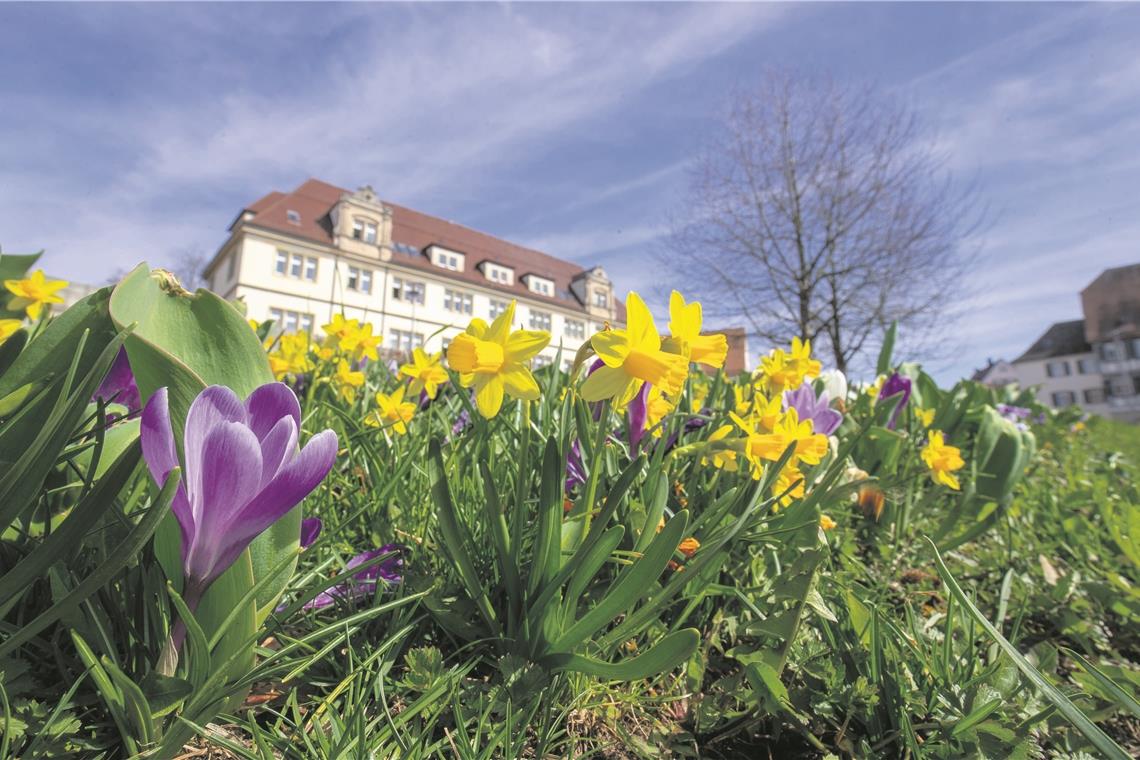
pixel 231 458
pixel 268 404
pixel 214 406
pixel 638 414
pixel 277 448
pixel 161 456
pixel 293 483
pixel 310 530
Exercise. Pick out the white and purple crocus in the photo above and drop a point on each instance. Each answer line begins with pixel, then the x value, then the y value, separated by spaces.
pixel 243 471
pixel 809 406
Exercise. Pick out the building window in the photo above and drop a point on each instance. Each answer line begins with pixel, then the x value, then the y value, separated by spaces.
pixel 360 280
pixel 296 265
pixel 496 273
pixel 1087 367
pixel 1134 345
pixel 575 329
pixel 447 261
pixel 288 321
pixel 1057 369
pixel 282 262
pixel 358 229
pixel 457 301
pixel 1109 352
pixel 1064 398
pixel 293 216
pixel 498 307
pixel 311 269
pixel 369 232
pixel 601 299
pixel 540 320
pixel 541 286
pixel 1094 395
pixel 407 290
pixel 405 340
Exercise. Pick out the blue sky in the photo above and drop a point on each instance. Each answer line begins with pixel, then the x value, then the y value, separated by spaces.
pixel 131 133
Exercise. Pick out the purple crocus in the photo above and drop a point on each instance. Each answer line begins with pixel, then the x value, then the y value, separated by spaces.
pixel 895 385
pixel 824 419
pixel 119 385
pixel 575 467
pixel 638 415
pixel 243 471
pixel 363 584
pixel 310 530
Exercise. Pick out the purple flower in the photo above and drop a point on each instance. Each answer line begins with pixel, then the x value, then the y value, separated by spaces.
pixel 824 419
pixel 119 385
pixel 363 584
pixel 1014 413
pixel 895 385
pixel 461 422
pixel 310 530
pixel 575 467
pixel 638 415
pixel 243 471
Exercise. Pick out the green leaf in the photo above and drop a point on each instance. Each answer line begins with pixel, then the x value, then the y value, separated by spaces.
pixel 1080 721
pixel 884 362
pixel 164 694
pixel 667 654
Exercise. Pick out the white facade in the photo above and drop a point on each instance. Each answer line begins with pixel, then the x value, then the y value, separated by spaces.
pixel 302 284
pixel 1065 380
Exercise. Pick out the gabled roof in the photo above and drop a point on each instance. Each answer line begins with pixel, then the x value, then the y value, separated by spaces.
pixel 1061 339
pixel 313 200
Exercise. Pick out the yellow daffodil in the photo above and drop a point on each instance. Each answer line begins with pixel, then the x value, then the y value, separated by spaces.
pixel 631 357
pixel 827 523
pixel 657 405
pixel 8 327
pixel 685 321
pixel 291 356
pixel 361 343
pixel 494 360
pixel 742 400
pixel 34 292
pixel 718 454
pixel 426 372
pixel 781 370
pixel 942 460
pixel 925 416
pixel 391 410
pixel 338 329
pixel 762 446
pixel 348 380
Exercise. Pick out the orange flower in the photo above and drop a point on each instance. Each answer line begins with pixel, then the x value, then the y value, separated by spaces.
pixel 689 546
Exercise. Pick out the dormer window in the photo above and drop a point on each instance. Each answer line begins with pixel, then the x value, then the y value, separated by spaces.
pixel 540 285
pixel 294 217
pixel 500 274
pixel 601 299
pixel 358 229
pixel 363 229
pixel 446 259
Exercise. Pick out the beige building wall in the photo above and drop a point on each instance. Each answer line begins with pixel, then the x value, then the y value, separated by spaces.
pixel 321 285
pixel 1076 374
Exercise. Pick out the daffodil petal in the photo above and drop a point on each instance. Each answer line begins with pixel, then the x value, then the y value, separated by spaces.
pixel 607 382
pixel 489 395
pixel 520 382
pixel 611 346
pixel 522 345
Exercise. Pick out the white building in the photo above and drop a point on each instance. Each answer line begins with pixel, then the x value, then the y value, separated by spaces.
pixel 300 257
pixel 1064 368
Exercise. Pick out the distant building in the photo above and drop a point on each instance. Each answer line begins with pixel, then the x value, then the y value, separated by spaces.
pixel 300 257
pixel 1095 361
pixel 1063 367
pixel 996 374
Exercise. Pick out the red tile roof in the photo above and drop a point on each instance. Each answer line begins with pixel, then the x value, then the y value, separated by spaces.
pixel 313 200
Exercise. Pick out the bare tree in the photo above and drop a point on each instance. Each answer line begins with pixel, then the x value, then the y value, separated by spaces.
pixel 824 213
pixel 190 266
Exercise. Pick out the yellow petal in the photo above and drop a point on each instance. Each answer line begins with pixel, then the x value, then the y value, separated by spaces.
pixel 522 345
pixel 607 382
pixel 500 329
pixel 489 395
pixel 684 319
pixel 520 382
pixel 611 346
pixel 477 327
pixel 639 324
pixel 709 349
